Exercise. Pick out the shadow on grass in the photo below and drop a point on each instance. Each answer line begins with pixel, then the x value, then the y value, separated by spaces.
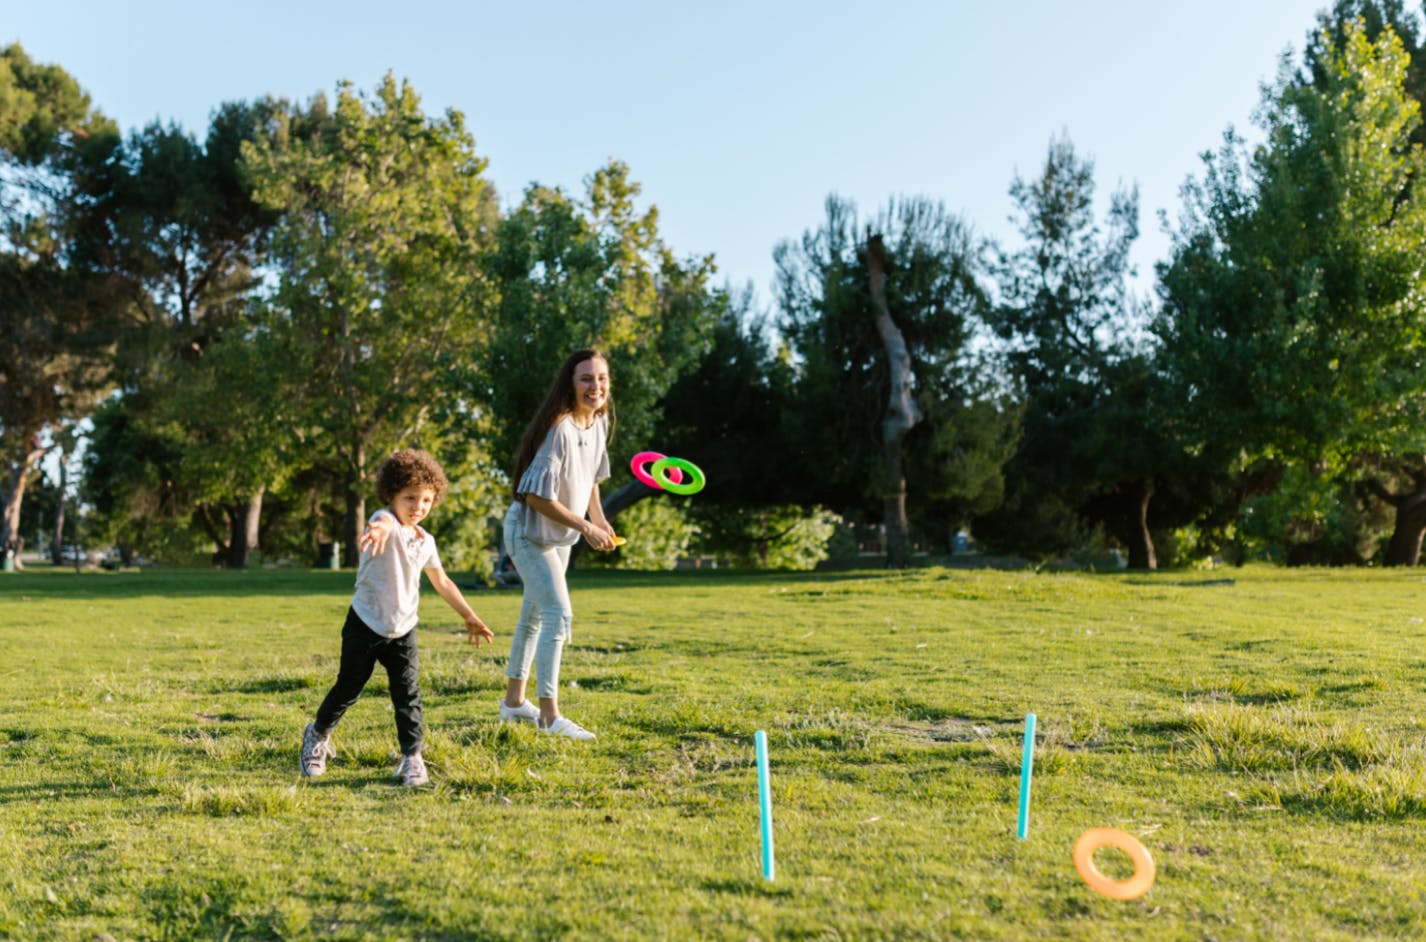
pixel 185 583
pixel 1181 583
pixel 694 578
pixel 266 685
pixel 351 780
pixel 685 722
pixel 1160 728
pixel 611 647
pixel 69 791
pixel 198 583
pixel 748 886
pixel 623 683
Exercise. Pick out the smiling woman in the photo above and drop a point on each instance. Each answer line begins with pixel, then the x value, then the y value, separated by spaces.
pixel 561 461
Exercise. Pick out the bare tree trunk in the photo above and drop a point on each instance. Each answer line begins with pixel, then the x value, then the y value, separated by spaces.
pixel 902 413
pixel 1141 542
pixel 1404 547
pixel 356 510
pixel 625 497
pixel 236 554
pixel 254 521
pixel 219 534
pixel 15 495
pixel 243 529
pixel 57 535
pixel 352 524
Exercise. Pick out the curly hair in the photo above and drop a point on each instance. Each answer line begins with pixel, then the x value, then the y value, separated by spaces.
pixel 410 467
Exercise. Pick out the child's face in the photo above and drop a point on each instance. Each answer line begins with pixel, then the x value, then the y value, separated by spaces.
pixel 591 386
pixel 411 504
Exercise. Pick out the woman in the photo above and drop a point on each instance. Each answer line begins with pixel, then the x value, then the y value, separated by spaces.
pixel 558 467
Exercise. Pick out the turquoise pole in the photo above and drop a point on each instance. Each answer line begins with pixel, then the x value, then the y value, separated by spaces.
pixel 764 802
pixel 1027 766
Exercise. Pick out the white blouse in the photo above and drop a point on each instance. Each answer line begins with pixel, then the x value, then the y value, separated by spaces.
pixel 571 460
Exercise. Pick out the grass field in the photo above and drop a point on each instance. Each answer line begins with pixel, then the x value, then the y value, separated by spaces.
pixel 1259 730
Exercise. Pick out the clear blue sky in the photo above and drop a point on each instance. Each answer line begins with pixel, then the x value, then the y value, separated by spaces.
pixel 737 117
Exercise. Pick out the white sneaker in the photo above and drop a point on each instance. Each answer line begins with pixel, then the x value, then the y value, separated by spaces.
pixel 526 712
pixel 316 750
pixel 412 770
pixel 564 726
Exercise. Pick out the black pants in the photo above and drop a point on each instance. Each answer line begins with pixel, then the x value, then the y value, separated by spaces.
pixel 362 650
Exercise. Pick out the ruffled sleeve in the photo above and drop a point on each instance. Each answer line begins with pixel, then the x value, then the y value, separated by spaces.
pixel 542 477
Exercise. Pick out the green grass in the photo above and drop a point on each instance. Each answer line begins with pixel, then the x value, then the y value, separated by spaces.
pixel 1263 739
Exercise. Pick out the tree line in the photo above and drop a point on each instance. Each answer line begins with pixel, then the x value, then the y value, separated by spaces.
pixel 242 326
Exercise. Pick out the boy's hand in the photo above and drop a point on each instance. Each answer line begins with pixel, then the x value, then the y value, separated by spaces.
pixel 374 536
pixel 475 631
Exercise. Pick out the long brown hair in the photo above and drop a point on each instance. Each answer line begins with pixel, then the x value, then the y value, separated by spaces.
pixel 559 402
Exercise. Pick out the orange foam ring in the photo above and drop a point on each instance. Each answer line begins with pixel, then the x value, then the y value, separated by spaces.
pixel 1132 888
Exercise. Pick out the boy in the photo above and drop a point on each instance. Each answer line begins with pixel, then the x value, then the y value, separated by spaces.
pixel 381 623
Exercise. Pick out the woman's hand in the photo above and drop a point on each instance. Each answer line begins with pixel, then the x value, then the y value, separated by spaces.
pixel 599 538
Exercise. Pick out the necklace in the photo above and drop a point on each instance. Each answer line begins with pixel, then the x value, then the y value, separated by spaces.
pixel 580 430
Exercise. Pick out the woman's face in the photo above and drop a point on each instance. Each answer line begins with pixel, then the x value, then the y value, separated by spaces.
pixel 591 387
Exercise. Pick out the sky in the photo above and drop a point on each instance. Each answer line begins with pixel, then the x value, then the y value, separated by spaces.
pixel 737 118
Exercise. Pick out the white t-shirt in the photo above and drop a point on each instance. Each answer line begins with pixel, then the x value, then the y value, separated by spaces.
pixel 388 586
pixel 571 460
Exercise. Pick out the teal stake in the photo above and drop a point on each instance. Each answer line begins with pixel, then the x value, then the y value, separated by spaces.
pixel 764 802
pixel 1027 765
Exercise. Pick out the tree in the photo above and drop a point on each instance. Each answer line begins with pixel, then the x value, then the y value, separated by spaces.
pixel 237 436
pixel 573 273
pixel 877 318
pixel 1326 42
pixel 131 478
pixel 1092 456
pixel 384 217
pixel 1399 481
pixel 188 235
pixel 1293 323
pixel 59 298
pixel 728 414
pixel 728 411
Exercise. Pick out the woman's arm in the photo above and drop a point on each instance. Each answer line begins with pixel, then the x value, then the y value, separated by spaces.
pixel 597 534
pixel 596 510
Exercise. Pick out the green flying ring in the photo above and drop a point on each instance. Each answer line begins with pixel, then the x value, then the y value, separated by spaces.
pixel 660 470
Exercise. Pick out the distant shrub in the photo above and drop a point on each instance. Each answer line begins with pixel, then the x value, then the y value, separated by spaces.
pixel 781 537
pixel 659 533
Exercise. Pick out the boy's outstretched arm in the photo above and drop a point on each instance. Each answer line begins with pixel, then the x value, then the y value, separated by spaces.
pixel 377 532
pixel 475 630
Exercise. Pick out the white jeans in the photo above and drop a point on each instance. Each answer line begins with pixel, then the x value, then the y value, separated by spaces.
pixel 545 612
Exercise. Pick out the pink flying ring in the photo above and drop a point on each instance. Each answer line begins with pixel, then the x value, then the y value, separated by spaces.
pixel 640 462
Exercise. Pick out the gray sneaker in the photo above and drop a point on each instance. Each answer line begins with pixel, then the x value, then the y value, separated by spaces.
pixel 316 750
pixel 412 770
